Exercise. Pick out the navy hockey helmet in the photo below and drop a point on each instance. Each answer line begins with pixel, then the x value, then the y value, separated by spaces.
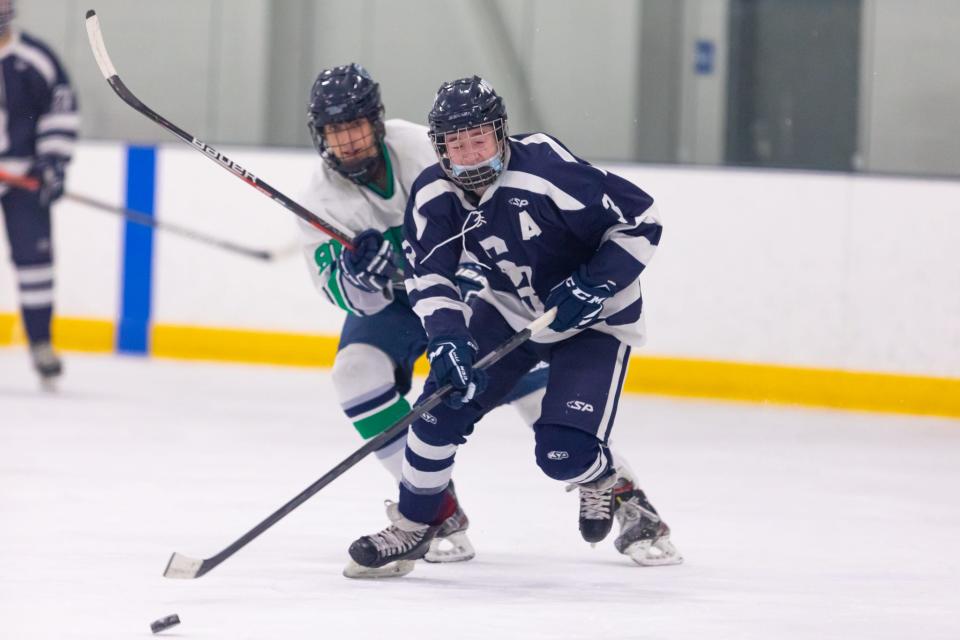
pixel 464 114
pixel 344 95
pixel 7 13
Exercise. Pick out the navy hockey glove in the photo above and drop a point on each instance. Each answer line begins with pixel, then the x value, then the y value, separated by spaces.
pixel 470 280
pixel 451 362
pixel 50 172
pixel 578 302
pixel 371 264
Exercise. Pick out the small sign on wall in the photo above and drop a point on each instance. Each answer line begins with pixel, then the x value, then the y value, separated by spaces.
pixel 704 57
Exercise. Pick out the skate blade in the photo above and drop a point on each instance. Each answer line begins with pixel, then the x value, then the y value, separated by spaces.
pixel 659 554
pixel 396 569
pixel 458 549
pixel 49 385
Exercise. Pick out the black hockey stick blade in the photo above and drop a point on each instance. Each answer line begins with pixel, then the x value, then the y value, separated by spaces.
pixel 138 217
pixel 185 567
pixel 95 36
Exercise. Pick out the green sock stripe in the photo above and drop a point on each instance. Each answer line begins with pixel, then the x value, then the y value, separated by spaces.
pixel 378 422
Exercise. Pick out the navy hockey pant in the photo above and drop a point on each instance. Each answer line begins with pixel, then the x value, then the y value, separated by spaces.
pixel 28 231
pixel 583 389
pixel 372 384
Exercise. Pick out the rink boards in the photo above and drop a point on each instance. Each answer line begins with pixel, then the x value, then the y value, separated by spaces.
pixel 794 287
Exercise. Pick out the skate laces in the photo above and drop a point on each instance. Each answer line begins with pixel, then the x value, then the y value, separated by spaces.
pixel 395 539
pixel 594 503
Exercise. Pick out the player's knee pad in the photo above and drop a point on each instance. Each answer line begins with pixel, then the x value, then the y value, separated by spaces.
pixel 569 454
pixel 359 370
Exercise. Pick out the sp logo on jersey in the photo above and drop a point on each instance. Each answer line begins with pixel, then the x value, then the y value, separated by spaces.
pixel 580 405
pixel 428 417
pixel 518 202
pixel 557 455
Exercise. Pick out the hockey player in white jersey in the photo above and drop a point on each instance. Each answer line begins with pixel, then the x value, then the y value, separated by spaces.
pixel 550 231
pixel 361 182
pixel 38 128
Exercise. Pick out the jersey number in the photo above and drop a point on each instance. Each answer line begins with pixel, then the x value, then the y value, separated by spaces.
pixel 610 205
pixel 520 276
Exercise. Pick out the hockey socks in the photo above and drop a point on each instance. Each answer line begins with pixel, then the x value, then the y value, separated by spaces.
pixel 373 416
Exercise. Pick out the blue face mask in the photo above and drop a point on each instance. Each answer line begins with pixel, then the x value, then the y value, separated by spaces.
pixel 495 163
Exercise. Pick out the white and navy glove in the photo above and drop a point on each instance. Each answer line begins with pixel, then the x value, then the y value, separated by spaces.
pixel 50 172
pixel 470 280
pixel 578 301
pixel 371 264
pixel 451 362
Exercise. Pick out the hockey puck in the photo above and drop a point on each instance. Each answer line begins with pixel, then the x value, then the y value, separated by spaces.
pixel 164 623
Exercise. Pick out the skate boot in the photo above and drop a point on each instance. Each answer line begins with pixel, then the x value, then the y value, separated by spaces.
pixel 47 364
pixel 599 501
pixel 644 536
pixel 452 535
pixel 391 552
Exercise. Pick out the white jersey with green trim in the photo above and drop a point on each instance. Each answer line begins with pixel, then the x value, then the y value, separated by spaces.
pixel 354 208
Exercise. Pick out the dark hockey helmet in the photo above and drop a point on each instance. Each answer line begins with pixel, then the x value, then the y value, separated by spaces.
pixel 463 110
pixel 344 95
pixel 7 13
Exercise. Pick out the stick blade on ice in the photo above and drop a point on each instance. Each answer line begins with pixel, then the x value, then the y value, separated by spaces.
pixel 183 567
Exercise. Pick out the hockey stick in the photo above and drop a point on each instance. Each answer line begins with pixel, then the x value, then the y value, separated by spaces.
pixel 106 68
pixel 181 566
pixel 31 184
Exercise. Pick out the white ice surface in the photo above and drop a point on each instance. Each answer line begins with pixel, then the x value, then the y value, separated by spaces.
pixel 795 523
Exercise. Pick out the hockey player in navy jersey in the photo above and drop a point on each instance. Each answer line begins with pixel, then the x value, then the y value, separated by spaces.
pixel 361 182
pixel 549 231
pixel 38 127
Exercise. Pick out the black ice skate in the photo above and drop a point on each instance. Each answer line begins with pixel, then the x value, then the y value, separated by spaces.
pixel 644 536
pixel 452 543
pixel 47 364
pixel 599 501
pixel 391 552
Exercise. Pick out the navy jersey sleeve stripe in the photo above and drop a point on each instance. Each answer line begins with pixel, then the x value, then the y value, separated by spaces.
pixel 430 222
pixel 65 122
pixel 624 220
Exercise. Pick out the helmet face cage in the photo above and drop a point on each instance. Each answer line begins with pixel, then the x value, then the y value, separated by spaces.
pixel 341 99
pixel 351 150
pixel 481 163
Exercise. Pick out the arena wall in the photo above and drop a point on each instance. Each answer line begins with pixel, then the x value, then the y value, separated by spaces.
pixel 824 289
